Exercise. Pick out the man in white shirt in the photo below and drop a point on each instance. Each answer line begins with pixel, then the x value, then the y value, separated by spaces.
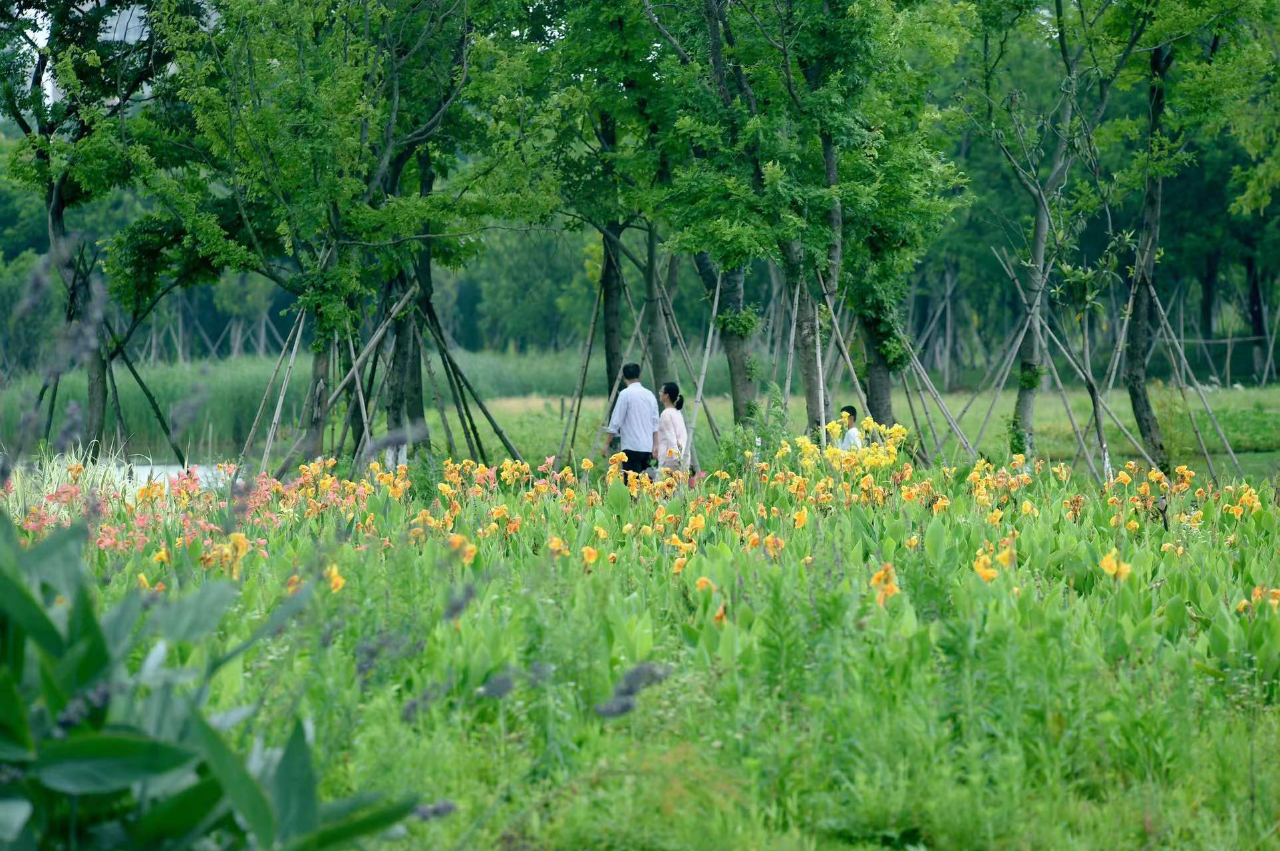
pixel 852 437
pixel 635 422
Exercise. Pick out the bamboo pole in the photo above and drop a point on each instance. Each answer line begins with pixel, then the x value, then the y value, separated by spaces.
pixel 1066 353
pixel 262 406
pixel 1066 404
pixel 669 309
pixel 822 403
pixel 615 387
pixel 706 356
pixel 923 376
pixel 435 389
pixel 288 372
pixel 1176 346
pixel 915 423
pixel 844 350
pixel 358 364
pixel 155 408
pixel 571 420
pixel 791 350
pixel 454 372
pixel 928 418
pixel 364 410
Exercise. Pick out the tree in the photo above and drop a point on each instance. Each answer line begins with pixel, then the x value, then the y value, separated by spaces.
pixel 71 76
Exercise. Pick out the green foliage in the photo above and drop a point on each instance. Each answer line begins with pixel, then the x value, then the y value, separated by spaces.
pixel 742 323
pixel 102 740
pixel 1017 435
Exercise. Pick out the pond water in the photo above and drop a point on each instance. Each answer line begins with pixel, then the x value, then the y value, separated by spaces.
pixel 144 471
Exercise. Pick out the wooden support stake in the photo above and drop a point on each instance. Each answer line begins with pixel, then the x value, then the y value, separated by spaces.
pixel 822 402
pixel 669 309
pixel 358 364
pixel 570 422
pixel 1177 347
pixel 275 419
pixel 262 406
pixel 1066 353
pixel 844 350
pixel 155 408
pixel 706 356
pixel 616 387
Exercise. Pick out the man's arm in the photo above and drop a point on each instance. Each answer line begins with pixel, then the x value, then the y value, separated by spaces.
pixel 657 420
pixel 615 421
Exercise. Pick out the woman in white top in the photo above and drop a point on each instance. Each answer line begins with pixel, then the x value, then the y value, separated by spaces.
pixel 673 439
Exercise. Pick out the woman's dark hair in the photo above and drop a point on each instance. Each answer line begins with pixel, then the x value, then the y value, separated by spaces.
pixel 672 391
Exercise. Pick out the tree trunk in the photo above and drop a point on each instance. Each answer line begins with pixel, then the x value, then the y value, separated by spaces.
pixel 1139 338
pixel 1257 317
pixel 659 338
pixel 1029 351
pixel 807 357
pixel 611 282
pixel 879 380
pixel 403 357
pixel 1209 294
pixel 315 412
pixel 415 401
pixel 730 322
pixel 84 320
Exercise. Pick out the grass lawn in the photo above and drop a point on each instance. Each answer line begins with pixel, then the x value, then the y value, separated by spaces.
pixel 213 405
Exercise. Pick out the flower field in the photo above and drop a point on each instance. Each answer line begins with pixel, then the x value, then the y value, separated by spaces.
pixel 817 649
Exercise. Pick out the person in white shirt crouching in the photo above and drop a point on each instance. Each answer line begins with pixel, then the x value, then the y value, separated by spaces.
pixel 852 437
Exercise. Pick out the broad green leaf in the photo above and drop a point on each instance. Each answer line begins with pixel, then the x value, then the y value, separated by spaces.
pixel 935 538
pixel 15 733
pixel 14 813
pixel 118 624
pixel 293 788
pixel 363 824
pixel 87 657
pixel 97 763
pixel 16 602
pixel 243 791
pixel 619 498
pixel 56 561
pixel 191 618
pixel 177 814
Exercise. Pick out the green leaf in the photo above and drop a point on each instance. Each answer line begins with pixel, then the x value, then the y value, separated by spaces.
pixel 87 657
pixel 14 813
pixel 56 561
pixel 97 763
pixel 935 538
pixel 178 813
pixel 16 602
pixel 354 827
pixel 191 618
pixel 243 791
pixel 118 624
pixel 280 615
pixel 619 498
pixel 15 732
pixel 293 788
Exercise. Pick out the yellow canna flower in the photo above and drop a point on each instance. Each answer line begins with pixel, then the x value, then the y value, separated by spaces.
pixel 589 555
pixel 336 580
pixel 801 517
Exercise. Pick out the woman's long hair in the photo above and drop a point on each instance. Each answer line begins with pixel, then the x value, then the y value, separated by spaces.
pixel 672 391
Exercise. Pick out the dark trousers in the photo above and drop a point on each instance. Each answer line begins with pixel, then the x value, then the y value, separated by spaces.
pixel 637 462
